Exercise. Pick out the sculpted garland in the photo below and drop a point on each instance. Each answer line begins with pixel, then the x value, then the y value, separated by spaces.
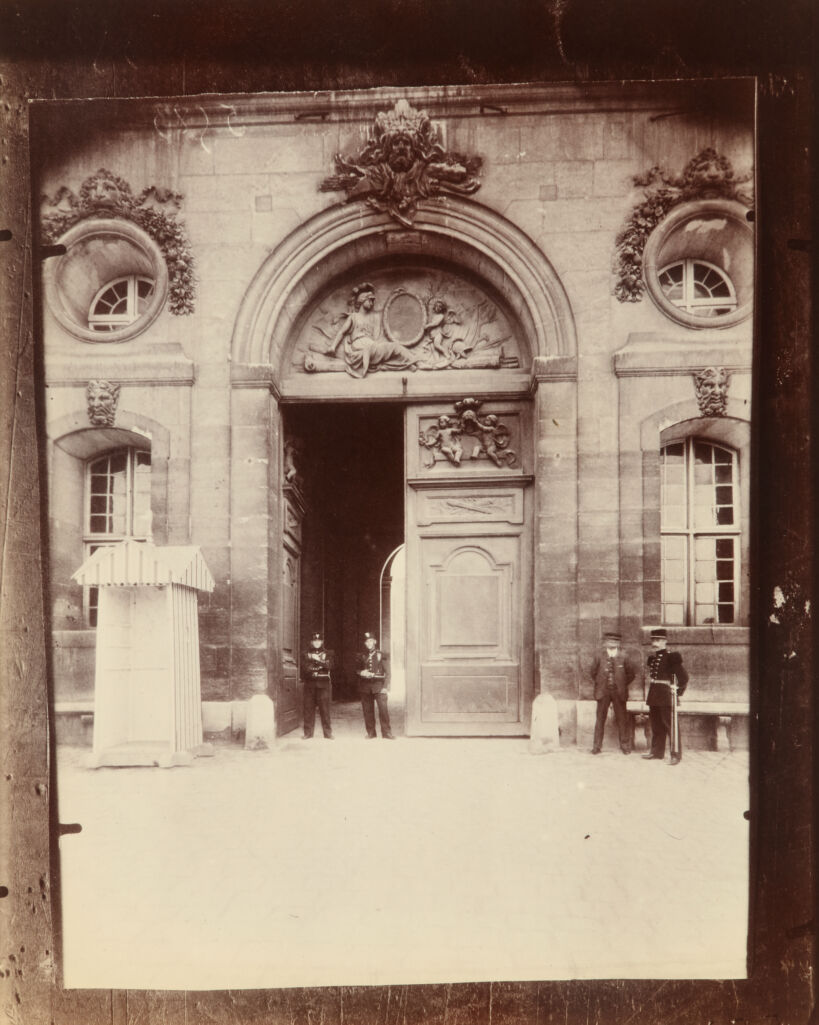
pixel 154 210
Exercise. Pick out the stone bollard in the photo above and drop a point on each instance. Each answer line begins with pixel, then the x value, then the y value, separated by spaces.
pixel 545 734
pixel 260 727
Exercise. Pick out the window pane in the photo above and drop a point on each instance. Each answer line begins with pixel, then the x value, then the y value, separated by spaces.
pixel 99 504
pixel 726 592
pixel 725 548
pixel 725 569
pixel 725 613
pixel 674 569
pixel 704 615
pixel 118 462
pixel 702 452
pixel 673 590
pixel 725 516
pixel 725 495
pixel 705 592
pixel 674 547
pixel 724 474
pixel 674 614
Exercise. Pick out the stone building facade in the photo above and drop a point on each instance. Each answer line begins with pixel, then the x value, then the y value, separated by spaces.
pixel 508 328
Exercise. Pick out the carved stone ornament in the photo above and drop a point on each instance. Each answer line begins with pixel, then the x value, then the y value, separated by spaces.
pixel 711 385
pixel 102 398
pixel 154 210
pixel 421 327
pixel 707 176
pixel 290 463
pixel 402 162
pixel 485 435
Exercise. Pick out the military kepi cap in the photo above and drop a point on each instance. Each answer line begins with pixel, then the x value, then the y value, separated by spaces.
pixel 317 637
pixel 368 635
pixel 662 634
pixel 611 636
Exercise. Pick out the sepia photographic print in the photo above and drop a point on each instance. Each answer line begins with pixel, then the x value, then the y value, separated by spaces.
pixel 410 649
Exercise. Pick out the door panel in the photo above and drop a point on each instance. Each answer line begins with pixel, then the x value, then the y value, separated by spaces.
pixel 469 636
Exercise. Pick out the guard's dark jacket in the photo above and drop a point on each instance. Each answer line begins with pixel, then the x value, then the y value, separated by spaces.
pixel 316 665
pixel 374 662
pixel 661 666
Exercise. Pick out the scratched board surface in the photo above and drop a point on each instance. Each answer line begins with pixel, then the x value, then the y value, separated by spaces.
pixel 154 49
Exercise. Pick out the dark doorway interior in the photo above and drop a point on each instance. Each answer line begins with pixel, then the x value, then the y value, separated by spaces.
pixel 352 462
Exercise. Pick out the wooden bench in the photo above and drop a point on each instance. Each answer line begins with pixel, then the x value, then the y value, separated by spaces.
pixel 725 711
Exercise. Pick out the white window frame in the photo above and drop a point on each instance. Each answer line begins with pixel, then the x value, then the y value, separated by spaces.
pixel 690 532
pixel 92 540
pixel 105 322
pixel 716 306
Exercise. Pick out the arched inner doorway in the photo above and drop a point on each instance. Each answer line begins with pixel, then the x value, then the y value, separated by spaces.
pixel 351 483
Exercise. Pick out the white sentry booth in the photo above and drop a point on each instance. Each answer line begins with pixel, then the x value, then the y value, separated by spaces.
pixel 147 697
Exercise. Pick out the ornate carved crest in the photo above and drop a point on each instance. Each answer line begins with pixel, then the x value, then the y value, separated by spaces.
pixel 711 385
pixel 402 162
pixel 154 210
pixel 489 438
pixel 102 398
pixel 433 324
pixel 707 176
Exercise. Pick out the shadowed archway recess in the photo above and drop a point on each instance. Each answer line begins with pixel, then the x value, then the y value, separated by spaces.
pixel 456 231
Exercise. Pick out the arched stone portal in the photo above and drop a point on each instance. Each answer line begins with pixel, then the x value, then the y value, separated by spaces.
pixel 428 438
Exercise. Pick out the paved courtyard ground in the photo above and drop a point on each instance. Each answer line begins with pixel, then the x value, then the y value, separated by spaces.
pixel 418 860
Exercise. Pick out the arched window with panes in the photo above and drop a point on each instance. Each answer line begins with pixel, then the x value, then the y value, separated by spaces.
pixel 117 506
pixel 700 533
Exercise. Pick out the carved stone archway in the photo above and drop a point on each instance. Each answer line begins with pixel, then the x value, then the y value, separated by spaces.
pixel 459 231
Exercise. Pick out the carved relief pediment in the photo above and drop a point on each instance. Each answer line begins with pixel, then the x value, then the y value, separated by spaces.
pixel 406 320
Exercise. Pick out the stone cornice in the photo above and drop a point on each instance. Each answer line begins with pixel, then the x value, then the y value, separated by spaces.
pixel 658 355
pixel 71 370
pixel 235 111
pixel 552 368
pixel 483 479
pixel 255 375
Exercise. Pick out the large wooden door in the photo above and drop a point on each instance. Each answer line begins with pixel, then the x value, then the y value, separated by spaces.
pixel 469 572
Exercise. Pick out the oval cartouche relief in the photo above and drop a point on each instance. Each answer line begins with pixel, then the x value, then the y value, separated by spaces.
pixel 406 319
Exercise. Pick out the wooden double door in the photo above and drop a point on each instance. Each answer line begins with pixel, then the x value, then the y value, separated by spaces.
pixel 468 537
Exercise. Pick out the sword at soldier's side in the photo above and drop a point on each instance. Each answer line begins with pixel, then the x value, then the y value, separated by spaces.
pixel 675 719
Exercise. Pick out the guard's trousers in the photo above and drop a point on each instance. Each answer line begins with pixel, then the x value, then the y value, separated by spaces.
pixel 317 692
pixel 660 718
pixel 368 702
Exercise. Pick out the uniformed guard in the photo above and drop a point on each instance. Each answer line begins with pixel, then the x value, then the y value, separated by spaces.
pixel 611 672
pixel 316 664
pixel 372 688
pixel 667 682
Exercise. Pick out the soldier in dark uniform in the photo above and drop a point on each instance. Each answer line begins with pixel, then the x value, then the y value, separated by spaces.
pixel 316 664
pixel 611 673
pixel 665 669
pixel 372 687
